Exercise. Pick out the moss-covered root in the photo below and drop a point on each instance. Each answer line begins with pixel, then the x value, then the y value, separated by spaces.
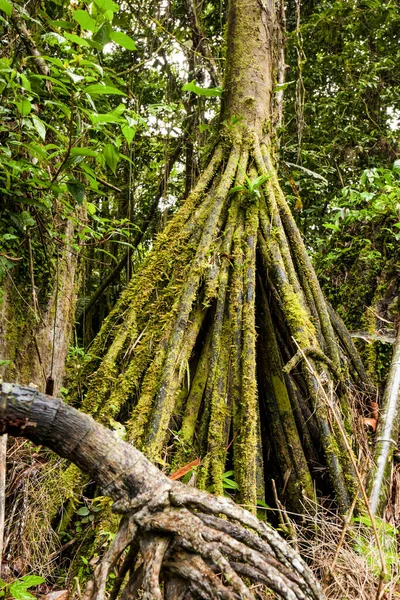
pixel 142 284
pixel 299 253
pixel 283 409
pixel 220 414
pixel 185 452
pixel 163 404
pixel 103 380
pixel 336 457
pixel 349 347
pixel 246 448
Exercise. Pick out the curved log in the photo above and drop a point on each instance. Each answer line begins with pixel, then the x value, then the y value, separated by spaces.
pixel 178 530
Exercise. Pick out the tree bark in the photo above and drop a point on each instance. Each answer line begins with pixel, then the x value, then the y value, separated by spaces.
pixel 177 528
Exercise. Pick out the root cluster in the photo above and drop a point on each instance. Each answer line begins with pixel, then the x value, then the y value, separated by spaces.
pixel 192 357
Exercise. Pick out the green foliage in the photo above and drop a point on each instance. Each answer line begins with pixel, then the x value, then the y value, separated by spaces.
pixel 350 69
pixel 365 544
pixel 199 91
pixel 251 188
pixel 364 226
pixel 19 588
pixel 61 133
pixel 227 483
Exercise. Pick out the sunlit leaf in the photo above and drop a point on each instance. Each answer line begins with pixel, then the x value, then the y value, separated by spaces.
pixel 77 40
pixel 85 20
pixel 196 89
pixel 98 88
pixel 123 40
pixel 40 127
pixel 24 106
pixel 105 5
pixel 6 7
pixel 111 156
pixel 128 132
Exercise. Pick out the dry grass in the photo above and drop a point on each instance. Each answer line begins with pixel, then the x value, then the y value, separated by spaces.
pixel 34 495
pixel 348 568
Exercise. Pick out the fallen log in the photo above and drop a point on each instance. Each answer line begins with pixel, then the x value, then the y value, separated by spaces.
pixel 174 541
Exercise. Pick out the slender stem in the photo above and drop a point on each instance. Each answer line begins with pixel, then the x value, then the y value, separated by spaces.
pixel 3 457
pixel 387 434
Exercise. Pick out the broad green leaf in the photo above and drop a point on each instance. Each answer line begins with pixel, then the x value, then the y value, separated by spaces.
pixel 111 117
pixel 129 132
pixel 31 580
pixel 193 87
pixel 63 24
pixel 76 189
pixel 123 40
pixel 103 35
pixel 111 156
pixel 19 592
pixel 98 88
pixel 95 45
pixel 77 40
pixel 54 61
pixel 91 208
pixel 24 107
pixel 83 511
pixel 85 20
pixel 106 118
pixel 25 82
pixel 6 7
pixel 39 126
pixel 76 151
pixel 105 5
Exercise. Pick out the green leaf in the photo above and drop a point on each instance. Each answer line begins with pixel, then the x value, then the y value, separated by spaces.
pixel 193 87
pixel 128 132
pixel 97 89
pixel 62 24
pixel 31 580
pixel 105 5
pixel 18 592
pixel 123 40
pixel 24 106
pixel 103 34
pixel 111 117
pixel 111 156
pixel 83 511
pixel 85 20
pixel 76 189
pixel 76 39
pixel 39 126
pixel 25 82
pixel 6 7
pixel 91 208
pixel 77 151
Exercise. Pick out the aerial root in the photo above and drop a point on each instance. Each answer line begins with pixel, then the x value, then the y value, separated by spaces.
pixel 199 553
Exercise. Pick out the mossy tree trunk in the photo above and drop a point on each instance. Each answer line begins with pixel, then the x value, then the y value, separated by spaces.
pixel 35 336
pixel 223 347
